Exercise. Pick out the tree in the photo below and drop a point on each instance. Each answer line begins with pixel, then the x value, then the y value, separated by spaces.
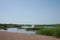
pixel 5 26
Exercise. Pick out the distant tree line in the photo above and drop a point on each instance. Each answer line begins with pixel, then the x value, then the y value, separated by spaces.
pixel 20 25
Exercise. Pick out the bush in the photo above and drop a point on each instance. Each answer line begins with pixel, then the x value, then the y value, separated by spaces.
pixel 45 32
pixel 1 27
pixel 27 29
pixel 56 32
pixel 33 29
pixel 50 31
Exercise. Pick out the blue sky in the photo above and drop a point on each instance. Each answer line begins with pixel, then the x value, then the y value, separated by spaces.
pixel 30 11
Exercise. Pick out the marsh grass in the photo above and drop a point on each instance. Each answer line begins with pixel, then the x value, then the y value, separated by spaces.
pixel 49 31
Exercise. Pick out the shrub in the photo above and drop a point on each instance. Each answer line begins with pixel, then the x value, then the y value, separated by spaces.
pixel 33 29
pixel 50 31
pixel 45 32
pixel 56 32
pixel 28 29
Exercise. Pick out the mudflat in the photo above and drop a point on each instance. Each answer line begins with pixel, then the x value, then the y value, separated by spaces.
pixel 22 36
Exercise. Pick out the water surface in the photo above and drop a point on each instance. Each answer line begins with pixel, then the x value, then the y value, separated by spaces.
pixel 19 31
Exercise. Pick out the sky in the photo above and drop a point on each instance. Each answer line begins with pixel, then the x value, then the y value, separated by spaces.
pixel 30 11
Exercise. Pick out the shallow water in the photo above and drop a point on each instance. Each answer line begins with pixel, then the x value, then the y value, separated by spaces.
pixel 19 31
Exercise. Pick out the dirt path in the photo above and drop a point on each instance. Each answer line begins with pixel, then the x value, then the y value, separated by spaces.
pixel 20 36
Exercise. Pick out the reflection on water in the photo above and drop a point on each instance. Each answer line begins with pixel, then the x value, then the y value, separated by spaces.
pixel 48 26
pixel 19 31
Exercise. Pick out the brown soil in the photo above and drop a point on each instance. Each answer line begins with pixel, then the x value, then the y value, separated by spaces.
pixel 20 36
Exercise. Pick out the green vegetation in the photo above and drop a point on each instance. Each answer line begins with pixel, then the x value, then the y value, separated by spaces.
pixel 40 29
pixel 1 26
pixel 44 32
pixel 56 32
pixel 32 29
pixel 49 31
